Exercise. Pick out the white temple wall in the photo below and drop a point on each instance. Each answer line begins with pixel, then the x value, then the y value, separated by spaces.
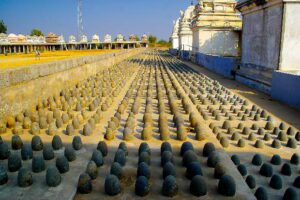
pixel 261 37
pixel 216 42
pixel 185 42
pixel 175 43
pixel 290 45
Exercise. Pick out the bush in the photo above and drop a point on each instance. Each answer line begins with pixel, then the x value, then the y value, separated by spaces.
pixel 14 162
pixel 165 146
pixel 198 186
pixel 120 157
pixel 266 170
pixel 169 169
pixel 57 143
pixel 97 157
pixel 112 185
pixel 142 187
pixel 38 164
pixel 242 169
pixel 276 160
pixel 170 187
pixel 251 182
pixel 276 182
pixel 290 194
pixel 261 194
pixel 77 143
pixel 193 169
pixel 3 175
pixel 26 152
pixel 84 185
pixel 235 159
pixel 143 170
pixel 295 159
pixel 257 160
pixel 186 146
pixel 116 169
pixel 62 164
pixel 24 178
pixel 36 143
pixel 102 147
pixel 227 186
pixel 269 126
pixel 53 177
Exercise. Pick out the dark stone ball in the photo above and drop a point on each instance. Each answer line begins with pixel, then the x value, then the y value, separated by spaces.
pixel 227 186
pixel 112 185
pixel 142 187
pixel 276 160
pixel 62 164
pixel 84 185
pixel 292 143
pixel 251 182
pixel 143 170
pixel 276 182
pixel 48 153
pixel 213 159
pixel 220 170
pixel 56 142
pixel 297 182
pixel 242 169
pixel 123 147
pixel 261 194
pixel 92 170
pixel 170 187
pixel 3 175
pixel 235 159
pixel 189 157
pixel 14 162
pixel 70 153
pixel 116 169
pixel 38 164
pixel 102 147
pixel 144 147
pixel 4 151
pixel 167 156
pixel 297 136
pixel 120 157
pixel 97 158
pixel 16 142
pixel 198 186
pixel 208 149
pixel 266 170
pixel 53 177
pixel 169 169
pixel 77 143
pixel 259 144
pixel 193 169
pixel 24 178
pixel 276 144
pixel 186 146
pixel 145 157
pixel 26 152
pixel 290 194
pixel 165 146
pixel 257 160
pixel 36 143
pixel 295 159
pixel 286 169
pixel 224 142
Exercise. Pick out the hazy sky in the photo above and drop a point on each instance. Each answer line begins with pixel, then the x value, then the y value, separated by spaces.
pixel 99 16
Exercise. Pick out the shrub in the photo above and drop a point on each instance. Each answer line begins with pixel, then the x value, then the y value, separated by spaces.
pixel 70 129
pixel 142 187
pixel 276 182
pixel 261 194
pixel 167 156
pixel 170 187
pixel 145 157
pixel 266 170
pixel 198 186
pixel 257 160
pixel 295 159
pixel 87 130
pixel 227 186
pixel 251 182
pixel 123 147
pixel 226 125
pixel 241 143
pixel 169 169
pixel 181 133
pixel 24 178
pixel 147 133
pixel 259 144
pixel 144 147
pixel 112 185
pixel 128 134
pixel 297 182
pixel 92 169
pixel 62 164
pixel 269 126
pixel 292 143
pixel 276 144
pixel 84 185
pixel 282 136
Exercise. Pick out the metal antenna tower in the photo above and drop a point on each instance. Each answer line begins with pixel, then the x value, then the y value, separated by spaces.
pixel 79 19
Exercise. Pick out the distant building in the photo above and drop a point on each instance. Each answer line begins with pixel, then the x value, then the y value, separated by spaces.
pixel 61 39
pixel 120 38
pixel 3 38
pixel 133 37
pixel 175 36
pixel 107 38
pixel 72 39
pixel 95 39
pixel 52 38
pixel 185 32
pixel 83 39
pixel 12 38
pixel 144 38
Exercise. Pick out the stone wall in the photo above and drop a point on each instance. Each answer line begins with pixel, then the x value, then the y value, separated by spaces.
pixel 22 88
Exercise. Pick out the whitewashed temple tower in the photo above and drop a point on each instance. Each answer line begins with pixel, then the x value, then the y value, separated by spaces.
pixel 185 32
pixel 175 36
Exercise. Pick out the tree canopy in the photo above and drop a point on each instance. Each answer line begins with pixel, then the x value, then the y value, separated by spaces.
pixel 36 32
pixel 152 39
pixel 3 27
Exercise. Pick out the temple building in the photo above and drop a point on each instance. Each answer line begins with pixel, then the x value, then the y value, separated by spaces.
pixel 120 38
pixel 175 36
pixel 3 38
pixel 144 38
pixel 72 39
pixel 133 37
pixel 95 39
pixel 83 39
pixel 185 33
pixel 107 38
pixel 52 38
pixel 61 39
pixel 216 26
pixel 12 38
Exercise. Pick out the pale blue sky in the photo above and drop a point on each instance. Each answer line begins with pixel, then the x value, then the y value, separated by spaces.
pixel 99 16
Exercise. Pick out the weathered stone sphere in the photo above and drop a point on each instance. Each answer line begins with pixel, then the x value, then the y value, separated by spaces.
pixel 193 169
pixel 16 142
pixel 189 157
pixel 87 130
pixel 36 143
pixel 167 156
pixel 295 159
pixel 198 186
pixel 143 170
pixel 297 182
pixel 26 152
pixel 169 169
pixel 292 143
pixel 213 159
pixel 102 147
pixel 144 147
pixel 92 170
pixel 185 147
pixel 120 157
pixel 77 143
pixel 227 186
pixel 208 149
pixel 165 146
pixel 257 160
pixel 112 185
pixel 170 187
pixel 145 157
pixel 38 164
pixel 219 170
pixel 53 177
pixel 116 169
pixel 235 159
pixel 261 194
pixel 276 160
pixel 4 151
pixel 276 182
pixel 62 164
pixel 14 162
pixel 250 180
pixel 290 194
pixel 142 187
pixel 242 169
pixel 84 185
pixel 97 158
pixel 24 178
pixel 286 169
pixel 123 147
pixel 48 153
pixel 57 142
pixel 266 170
pixel 70 153
pixel 3 175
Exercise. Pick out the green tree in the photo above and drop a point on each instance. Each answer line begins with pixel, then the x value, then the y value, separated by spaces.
pixel 152 39
pixel 137 38
pixel 36 32
pixel 3 27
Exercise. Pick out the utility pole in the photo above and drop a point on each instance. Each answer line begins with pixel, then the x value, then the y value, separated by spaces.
pixel 79 19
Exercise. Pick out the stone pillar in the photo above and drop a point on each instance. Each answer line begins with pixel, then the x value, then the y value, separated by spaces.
pixel 185 32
